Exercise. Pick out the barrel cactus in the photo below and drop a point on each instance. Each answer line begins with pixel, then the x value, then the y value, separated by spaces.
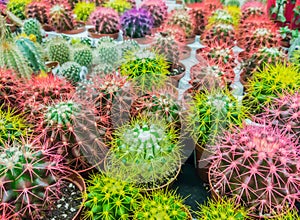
pixel 59 50
pixel 158 9
pixel 17 7
pixel 108 53
pixel 33 26
pixel 71 71
pixel 60 18
pixel 120 6
pixel 83 55
pixel 83 10
pixel 183 19
pixel 37 10
pixel 222 33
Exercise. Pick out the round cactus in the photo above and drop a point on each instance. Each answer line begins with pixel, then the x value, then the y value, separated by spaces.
pixel 33 26
pixel 30 178
pixel 105 20
pixel 120 6
pixel 158 9
pixel 110 198
pixel 17 7
pixel 59 50
pixel 221 16
pixel 102 69
pixel 253 9
pixel 83 10
pixel 259 166
pixel 199 16
pixel 71 71
pixel 37 10
pixel 136 23
pixel 108 53
pixel 183 19
pixel 83 55
pixel 223 208
pixel 60 18
pixel 221 33
pixel 129 45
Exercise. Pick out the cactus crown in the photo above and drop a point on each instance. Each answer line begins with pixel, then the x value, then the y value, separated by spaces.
pixel 183 19
pixel 222 208
pixel 136 23
pixel 147 69
pixel 59 50
pixel 108 53
pixel 83 10
pixel 105 20
pixel 109 197
pixel 221 16
pixel 83 55
pixel 33 26
pixel 158 9
pixel 129 46
pixel 37 10
pixel 246 157
pixel 119 5
pixel 71 71
pixel 60 17
pixel 17 7
pixel 162 204
pixel 146 148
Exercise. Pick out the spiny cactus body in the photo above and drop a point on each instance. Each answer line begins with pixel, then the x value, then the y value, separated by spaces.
pixel 158 9
pixel 120 6
pixel 38 10
pixel 59 50
pixel 183 19
pixel 83 55
pixel 221 33
pixel 83 10
pixel 17 7
pixel 33 26
pixel 71 71
pixel 60 18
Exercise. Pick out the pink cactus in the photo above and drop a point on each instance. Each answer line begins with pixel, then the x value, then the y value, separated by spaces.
pixel 259 166
pixel 158 10
pixel 253 9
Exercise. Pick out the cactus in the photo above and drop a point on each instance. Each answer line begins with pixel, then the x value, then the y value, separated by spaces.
pixel 11 58
pixel 253 9
pixel 71 71
pixel 105 20
pixel 212 112
pixel 221 33
pixel 146 151
pixel 37 10
pixel 236 14
pixel 183 19
pixel 260 161
pixel 30 176
pixel 83 10
pixel 223 208
pixel 10 87
pixel 176 31
pixel 158 9
pixel 17 7
pixel 136 23
pixel 59 50
pixel 235 3
pixel 32 53
pixel 83 55
pixel 289 215
pixel 33 26
pixel 108 53
pixel 120 6
pixel 271 82
pixel 221 16
pixel 129 46
pixel 148 70
pixel 162 204
pixel 258 60
pixel 102 69
pixel 60 18
pixel 199 16
pixel 110 198
pixel 13 127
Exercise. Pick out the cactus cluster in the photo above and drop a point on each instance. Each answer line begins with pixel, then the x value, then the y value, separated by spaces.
pixel 258 166
pixel 33 26
pixel 158 9
pixel 120 6
pixel 82 55
pixel 221 33
pixel 30 178
pixel 105 20
pixel 83 10
pixel 59 50
pixel 38 10
pixel 17 7
pixel 71 71
pixel 61 18
pixel 137 23
pixel 183 19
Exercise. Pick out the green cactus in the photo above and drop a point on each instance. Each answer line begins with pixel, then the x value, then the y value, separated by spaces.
pixel 212 112
pixel 109 198
pixel 105 40
pixel 289 215
pixel 119 5
pixel 33 26
pixel 71 71
pixel 59 50
pixel 83 10
pixel 103 69
pixel 108 53
pixel 17 7
pixel 32 53
pixel 221 16
pixel 83 55
pixel 236 3
pixel 146 151
pixel 12 58
pixel 12 126
pixel 269 83
pixel 129 45
pixel 221 209
pixel 162 204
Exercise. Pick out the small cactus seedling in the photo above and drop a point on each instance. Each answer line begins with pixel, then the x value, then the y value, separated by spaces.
pixel 30 177
pixel 223 208
pixel 33 26
pixel 71 71
pixel 162 204
pixel 269 83
pixel 17 7
pixel 158 9
pixel 221 33
pixel 83 10
pixel 60 18
pixel 260 161
pixel 137 23
pixel 38 10
pixel 59 50
pixel 183 19
pixel 109 197
pixel 120 6
pixel 83 55
pixel 105 20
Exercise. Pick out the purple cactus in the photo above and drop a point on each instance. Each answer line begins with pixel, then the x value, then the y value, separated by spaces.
pixel 137 23
pixel 3 2
pixel 259 166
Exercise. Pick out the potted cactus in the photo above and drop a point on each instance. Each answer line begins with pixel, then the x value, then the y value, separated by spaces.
pixel 106 22
pixel 221 33
pixel 260 161
pixel 83 10
pixel 199 16
pixel 137 24
pixel 221 16
pixel 17 7
pixel 38 10
pixel 145 151
pixel 120 6
pixel 32 26
pixel 71 71
pixel 253 9
pixel 59 50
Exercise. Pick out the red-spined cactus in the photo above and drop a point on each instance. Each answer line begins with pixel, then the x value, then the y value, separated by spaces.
pixel 30 178
pixel 41 91
pixel 259 166
pixel 284 112
pixel 38 10
pixel 175 31
pixel 200 18
pixel 210 6
pixel 221 33
pixel 10 87
pixel 253 9
pixel 61 18
pixel 158 10
pixel 105 20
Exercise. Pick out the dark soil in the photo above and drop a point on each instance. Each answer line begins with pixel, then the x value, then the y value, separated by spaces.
pixel 176 69
pixel 67 206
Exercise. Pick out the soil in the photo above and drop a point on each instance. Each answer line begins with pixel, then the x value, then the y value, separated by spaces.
pixel 176 69
pixel 67 206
